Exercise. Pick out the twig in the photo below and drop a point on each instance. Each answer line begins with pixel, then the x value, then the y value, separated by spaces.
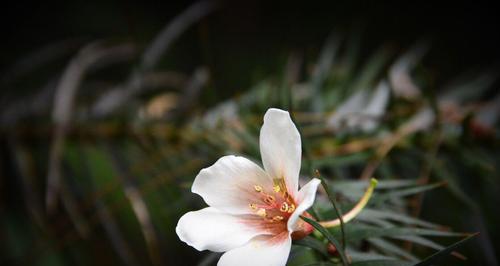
pixel 191 92
pixel 119 95
pixel 323 67
pixel 64 100
pixel 420 121
pixel 39 58
pixel 114 234
pixel 173 30
pixel 34 105
pixel 139 207
pixel 23 164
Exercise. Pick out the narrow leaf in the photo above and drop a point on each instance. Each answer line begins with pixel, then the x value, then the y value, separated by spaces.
pixel 328 236
pixel 313 243
pixel 382 263
pixel 334 204
pixel 440 254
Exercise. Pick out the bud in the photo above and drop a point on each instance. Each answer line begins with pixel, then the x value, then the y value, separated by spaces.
pixel 305 228
pixel 332 250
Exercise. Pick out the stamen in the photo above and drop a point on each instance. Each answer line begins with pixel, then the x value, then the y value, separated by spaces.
pixel 277 218
pixel 286 195
pixel 273 207
pixel 269 199
pixel 284 207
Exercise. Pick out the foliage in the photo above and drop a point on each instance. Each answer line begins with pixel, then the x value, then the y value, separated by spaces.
pixel 97 163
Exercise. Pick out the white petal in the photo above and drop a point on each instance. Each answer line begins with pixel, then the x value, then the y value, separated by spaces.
pixel 228 184
pixel 379 99
pixel 375 109
pixel 420 121
pixel 280 148
pixel 259 251
pixel 210 229
pixel 347 114
pixel 305 200
pixel 400 72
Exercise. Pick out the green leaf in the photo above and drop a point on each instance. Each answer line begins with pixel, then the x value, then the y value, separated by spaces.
pixel 321 263
pixel 301 256
pixel 368 214
pixel 382 263
pixel 347 160
pixel 358 256
pixel 328 236
pixel 420 240
pixel 313 243
pixel 358 232
pixel 390 248
pixel 405 192
pixel 440 254
pixel 382 184
pixel 334 204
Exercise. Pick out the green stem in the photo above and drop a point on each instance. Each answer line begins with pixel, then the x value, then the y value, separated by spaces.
pixel 354 211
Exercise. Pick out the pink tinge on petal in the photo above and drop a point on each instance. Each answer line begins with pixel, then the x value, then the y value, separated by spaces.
pixel 271 208
pixel 261 250
pixel 266 227
pixel 276 211
pixel 278 239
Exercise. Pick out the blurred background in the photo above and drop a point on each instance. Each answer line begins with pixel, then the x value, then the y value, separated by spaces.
pixel 109 109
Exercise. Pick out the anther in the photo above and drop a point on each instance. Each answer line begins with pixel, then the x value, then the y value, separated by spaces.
pixel 262 213
pixel 253 206
pixel 291 208
pixel 284 207
pixel 276 188
pixel 269 199
pixel 277 218
pixel 257 188
pixel 286 195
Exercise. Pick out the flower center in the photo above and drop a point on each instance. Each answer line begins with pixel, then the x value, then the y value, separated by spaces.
pixel 274 205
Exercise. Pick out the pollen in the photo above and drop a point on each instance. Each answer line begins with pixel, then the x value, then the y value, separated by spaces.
pixel 257 188
pixel 284 207
pixel 262 213
pixel 277 218
pixel 272 204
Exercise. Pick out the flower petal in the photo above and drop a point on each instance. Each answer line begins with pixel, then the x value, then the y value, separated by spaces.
pixel 280 148
pixel 347 114
pixel 376 107
pixel 228 184
pixel 211 229
pixel 263 250
pixel 305 200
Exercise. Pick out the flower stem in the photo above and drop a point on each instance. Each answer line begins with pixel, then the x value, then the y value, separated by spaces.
pixel 356 210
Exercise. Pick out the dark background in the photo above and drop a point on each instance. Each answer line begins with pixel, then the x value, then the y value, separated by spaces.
pixel 246 39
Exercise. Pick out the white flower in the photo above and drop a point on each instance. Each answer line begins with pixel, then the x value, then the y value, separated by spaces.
pixel 253 213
